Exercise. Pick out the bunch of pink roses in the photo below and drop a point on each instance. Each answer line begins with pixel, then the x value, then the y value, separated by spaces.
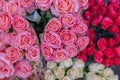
pixel 19 46
pixel 64 37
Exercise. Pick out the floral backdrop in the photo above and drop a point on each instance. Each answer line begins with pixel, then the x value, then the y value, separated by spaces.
pixel 59 39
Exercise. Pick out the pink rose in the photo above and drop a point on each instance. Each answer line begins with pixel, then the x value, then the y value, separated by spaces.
pixel 82 42
pixel 107 62
pixel 2 3
pixel 13 54
pixel 72 50
pixel 25 39
pixel 5 38
pixel 82 3
pixel 23 69
pixel 64 6
pixel 60 55
pixel 43 4
pixel 113 29
pixel 6 68
pixel 106 23
pixel 98 56
pixel 68 20
pixel 111 42
pixel 80 28
pixel 13 7
pixel 82 57
pixel 68 37
pixel 47 52
pixel 108 52
pixel 53 25
pixel 117 50
pixel 20 24
pixel 52 39
pixel 102 43
pixel 33 53
pixel 100 3
pixel 112 13
pixel 116 21
pixel 5 21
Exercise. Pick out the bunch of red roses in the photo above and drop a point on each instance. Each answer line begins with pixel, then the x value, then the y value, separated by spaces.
pixel 106 49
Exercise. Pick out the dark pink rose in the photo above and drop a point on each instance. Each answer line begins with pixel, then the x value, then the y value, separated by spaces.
pixel 72 50
pixel 102 10
pixel 111 42
pixel 116 61
pixel 52 39
pixel 33 53
pixel 102 43
pixel 117 50
pixel 2 3
pixel 113 29
pixel 98 56
pixel 87 15
pixel 112 13
pixel 61 54
pixel 100 2
pixel 116 21
pixel 53 25
pixel 23 68
pixel 82 42
pixel 68 37
pixel 106 23
pixel 82 57
pixel 107 62
pixel 13 54
pixel 20 24
pixel 6 68
pixel 108 52
pixel 5 21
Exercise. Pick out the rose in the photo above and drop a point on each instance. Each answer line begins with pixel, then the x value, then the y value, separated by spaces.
pixel 63 6
pixel 111 13
pixel 13 7
pixel 102 43
pixel 13 54
pixel 5 21
pixel 53 25
pixel 51 65
pixel 116 21
pixel 59 72
pixel 111 42
pixel 90 50
pixel 20 24
pixel 78 64
pixel 33 53
pixel 2 3
pixel 82 57
pixel 5 38
pixel 66 78
pixel 113 29
pixel 6 68
pixel 93 76
pixel 113 77
pixel 73 50
pixel 52 39
pixel 108 72
pixel 108 52
pixel 23 68
pixel 117 50
pixel 101 3
pixel 68 20
pixel 61 55
pixel 87 15
pixel 106 23
pixel 66 63
pixel 49 75
pixel 68 37
pixel 82 3
pixel 107 62
pixel 80 28
pixel 47 52
pixel 98 56
pixel 43 4
pixel 82 42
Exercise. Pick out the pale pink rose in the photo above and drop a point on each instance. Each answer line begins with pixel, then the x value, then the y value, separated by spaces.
pixel 61 54
pixel 33 53
pixel 43 4
pixel 54 11
pixel 52 39
pixel 73 50
pixel 28 5
pixel 80 27
pixel 13 7
pixel 6 68
pixel 23 68
pixel 47 52
pixel 68 37
pixel 53 25
pixel 82 42
pixel 2 3
pixel 19 23
pixel 25 39
pixel 5 21
pixel 64 6
pixel 13 54
pixel 68 20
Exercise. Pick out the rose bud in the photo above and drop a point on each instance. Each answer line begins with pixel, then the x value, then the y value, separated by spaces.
pixel 98 56
pixel 102 43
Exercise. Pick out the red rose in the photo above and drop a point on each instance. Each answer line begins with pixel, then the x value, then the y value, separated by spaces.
pixel 91 2
pixel 111 42
pixel 100 2
pixel 115 3
pixel 117 21
pixel 106 23
pixel 98 56
pixel 113 29
pixel 117 50
pixel 108 52
pixel 82 57
pixel 116 61
pixel 107 62
pixel 102 10
pixel 87 15
pixel 111 13
pixel 117 37
pixel 102 43
pixel 118 12
pixel 90 50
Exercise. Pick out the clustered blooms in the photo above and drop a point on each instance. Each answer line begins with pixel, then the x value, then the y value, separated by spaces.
pixel 66 70
pixel 19 46
pixel 64 37
pixel 99 72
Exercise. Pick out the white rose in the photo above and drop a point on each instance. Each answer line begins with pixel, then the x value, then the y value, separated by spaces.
pixel 66 78
pixel 59 72
pixel 51 65
pixel 49 75
pixel 114 77
pixel 95 67
pixel 93 76
pixel 66 63
pixel 78 64
pixel 75 73
pixel 108 72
